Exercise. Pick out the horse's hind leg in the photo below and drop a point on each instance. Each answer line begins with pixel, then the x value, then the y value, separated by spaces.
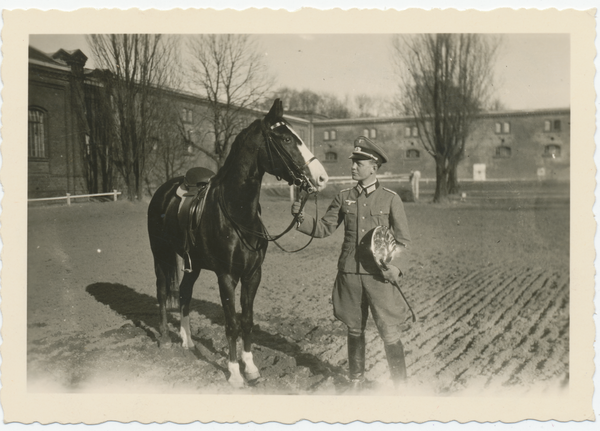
pixel 227 290
pixel 164 274
pixel 185 296
pixel 249 288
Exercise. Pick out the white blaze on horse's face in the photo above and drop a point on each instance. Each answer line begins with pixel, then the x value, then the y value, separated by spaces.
pixel 318 174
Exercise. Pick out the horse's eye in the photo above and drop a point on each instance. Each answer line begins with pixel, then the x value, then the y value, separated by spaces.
pixel 287 139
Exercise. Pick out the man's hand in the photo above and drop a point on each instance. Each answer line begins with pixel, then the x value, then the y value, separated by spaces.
pixel 296 208
pixel 391 274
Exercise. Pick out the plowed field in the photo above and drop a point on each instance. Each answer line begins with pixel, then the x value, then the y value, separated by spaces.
pixel 489 281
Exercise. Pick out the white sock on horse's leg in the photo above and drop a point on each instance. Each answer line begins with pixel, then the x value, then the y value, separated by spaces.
pixel 235 379
pixel 251 370
pixel 185 333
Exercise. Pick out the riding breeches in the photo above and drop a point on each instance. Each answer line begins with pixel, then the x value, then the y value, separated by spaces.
pixel 354 294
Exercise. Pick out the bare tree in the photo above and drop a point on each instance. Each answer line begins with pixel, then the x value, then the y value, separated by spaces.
pixel 138 68
pixel 445 80
pixel 229 72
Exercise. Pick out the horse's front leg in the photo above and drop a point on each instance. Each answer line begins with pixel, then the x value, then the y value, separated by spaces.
pixel 249 288
pixel 227 285
pixel 185 296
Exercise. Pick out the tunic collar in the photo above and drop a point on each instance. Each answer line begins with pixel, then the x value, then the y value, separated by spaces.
pixel 368 189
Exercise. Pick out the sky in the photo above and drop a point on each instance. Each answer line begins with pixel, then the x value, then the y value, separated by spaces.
pixel 532 70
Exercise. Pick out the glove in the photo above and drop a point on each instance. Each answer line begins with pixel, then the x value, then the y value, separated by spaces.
pixel 296 210
pixel 391 274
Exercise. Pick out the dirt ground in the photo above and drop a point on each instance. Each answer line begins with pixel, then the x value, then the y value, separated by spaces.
pixel 489 281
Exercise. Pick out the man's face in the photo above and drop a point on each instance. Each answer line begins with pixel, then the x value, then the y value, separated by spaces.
pixel 363 169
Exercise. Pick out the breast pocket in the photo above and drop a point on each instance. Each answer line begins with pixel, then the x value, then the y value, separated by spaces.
pixel 381 216
pixel 349 212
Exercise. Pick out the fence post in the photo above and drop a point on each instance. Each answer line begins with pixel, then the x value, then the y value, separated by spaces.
pixel 68 198
pixel 115 195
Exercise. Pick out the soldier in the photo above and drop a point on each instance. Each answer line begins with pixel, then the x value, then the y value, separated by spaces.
pixel 360 284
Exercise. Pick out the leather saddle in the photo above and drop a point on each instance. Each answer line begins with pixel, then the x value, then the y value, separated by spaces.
pixel 192 192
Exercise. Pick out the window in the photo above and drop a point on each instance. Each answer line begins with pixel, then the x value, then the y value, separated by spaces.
pixel 503 152
pixel 36 138
pixel 365 133
pixel 329 135
pixel 552 126
pixel 413 154
pixel 373 134
pixel 552 150
pixel 186 115
pixel 411 131
pixel 330 156
pixel 502 128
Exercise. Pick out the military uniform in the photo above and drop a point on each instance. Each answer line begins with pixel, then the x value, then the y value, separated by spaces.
pixel 360 284
pixel 362 210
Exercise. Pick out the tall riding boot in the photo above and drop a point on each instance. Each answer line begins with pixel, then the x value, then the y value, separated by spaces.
pixel 356 361
pixel 395 358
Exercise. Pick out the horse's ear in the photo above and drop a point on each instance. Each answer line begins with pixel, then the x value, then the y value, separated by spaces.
pixel 275 112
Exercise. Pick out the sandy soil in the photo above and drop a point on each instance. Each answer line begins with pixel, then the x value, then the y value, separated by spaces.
pixel 489 281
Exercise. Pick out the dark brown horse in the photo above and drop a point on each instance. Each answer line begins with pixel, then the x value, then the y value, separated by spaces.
pixel 230 238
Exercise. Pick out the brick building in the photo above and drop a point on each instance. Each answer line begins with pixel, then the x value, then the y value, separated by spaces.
pixel 64 123
pixel 503 145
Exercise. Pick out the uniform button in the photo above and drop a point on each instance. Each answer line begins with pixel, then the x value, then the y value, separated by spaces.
pixel 385 281
pixel 362 230
pixel 363 217
pixel 364 205
pixel 380 211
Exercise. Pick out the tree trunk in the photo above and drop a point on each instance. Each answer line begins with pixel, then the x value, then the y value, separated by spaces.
pixel 441 181
pixel 453 186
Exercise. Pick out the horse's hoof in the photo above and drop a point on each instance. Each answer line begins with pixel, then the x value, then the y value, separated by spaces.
pixel 236 384
pixel 251 377
pixel 165 343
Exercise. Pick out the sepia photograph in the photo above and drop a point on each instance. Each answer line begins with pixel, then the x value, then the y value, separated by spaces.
pixel 342 216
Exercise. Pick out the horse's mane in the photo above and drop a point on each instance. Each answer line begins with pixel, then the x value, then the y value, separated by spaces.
pixel 235 149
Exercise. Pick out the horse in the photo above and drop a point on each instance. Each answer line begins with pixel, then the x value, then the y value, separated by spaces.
pixel 230 239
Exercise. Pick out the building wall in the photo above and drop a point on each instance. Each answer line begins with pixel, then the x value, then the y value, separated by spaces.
pixel 60 171
pixel 527 140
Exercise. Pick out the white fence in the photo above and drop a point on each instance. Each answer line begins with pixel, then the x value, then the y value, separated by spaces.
pixel 68 197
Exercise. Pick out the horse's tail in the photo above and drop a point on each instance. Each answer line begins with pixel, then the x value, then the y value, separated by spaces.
pixel 166 260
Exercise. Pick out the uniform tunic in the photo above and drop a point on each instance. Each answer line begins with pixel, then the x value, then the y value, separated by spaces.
pixel 359 283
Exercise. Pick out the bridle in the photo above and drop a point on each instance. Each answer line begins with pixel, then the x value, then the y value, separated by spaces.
pixel 299 179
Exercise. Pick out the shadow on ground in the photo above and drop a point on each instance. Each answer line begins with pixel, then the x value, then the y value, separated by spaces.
pixel 142 310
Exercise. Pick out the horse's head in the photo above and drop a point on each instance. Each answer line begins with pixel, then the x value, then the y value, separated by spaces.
pixel 288 157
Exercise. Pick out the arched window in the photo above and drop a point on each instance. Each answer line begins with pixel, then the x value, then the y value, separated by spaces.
pixel 552 150
pixel 332 135
pixel 413 154
pixel 366 133
pixel 503 152
pixel 326 135
pixel 330 156
pixel 36 138
pixel 373 133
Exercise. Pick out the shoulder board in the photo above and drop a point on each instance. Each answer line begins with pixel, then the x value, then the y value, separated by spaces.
pixel 388 190
pixel 346 190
